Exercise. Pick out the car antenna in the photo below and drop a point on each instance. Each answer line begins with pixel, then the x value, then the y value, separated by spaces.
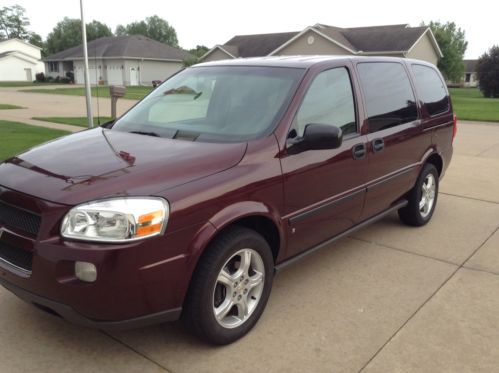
pixel 97 84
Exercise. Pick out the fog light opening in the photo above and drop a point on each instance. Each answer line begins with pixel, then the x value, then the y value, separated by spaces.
pixel 86 272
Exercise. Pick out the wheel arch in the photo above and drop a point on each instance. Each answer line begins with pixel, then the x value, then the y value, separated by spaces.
pixel 437 160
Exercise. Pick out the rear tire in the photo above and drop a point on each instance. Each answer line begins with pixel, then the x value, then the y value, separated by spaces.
pixel 230 287
pixel 422 198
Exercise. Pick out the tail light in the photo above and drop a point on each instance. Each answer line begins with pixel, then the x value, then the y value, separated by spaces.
pixel 454 129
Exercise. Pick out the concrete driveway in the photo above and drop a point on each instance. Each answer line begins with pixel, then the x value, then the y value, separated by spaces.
pixel 49 105
pixel 389 299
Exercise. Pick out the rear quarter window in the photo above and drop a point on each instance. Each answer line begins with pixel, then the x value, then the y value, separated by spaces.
pixel 431 89
pixel 388 94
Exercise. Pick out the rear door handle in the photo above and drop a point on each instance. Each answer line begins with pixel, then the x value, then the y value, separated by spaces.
pixel 378 145
pixel 359 151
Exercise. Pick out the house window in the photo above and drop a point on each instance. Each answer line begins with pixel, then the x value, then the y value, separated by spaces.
pixel 467 79
pixel 53 67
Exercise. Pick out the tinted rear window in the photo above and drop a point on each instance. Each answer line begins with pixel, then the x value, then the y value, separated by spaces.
pixel 431 89
pixel 388 95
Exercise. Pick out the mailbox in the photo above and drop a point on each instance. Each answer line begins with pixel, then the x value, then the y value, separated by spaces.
pixel 116 91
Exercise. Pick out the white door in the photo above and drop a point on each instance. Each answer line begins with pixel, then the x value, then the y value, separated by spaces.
pixel 80 75
pixel 29 75
pixel 134 76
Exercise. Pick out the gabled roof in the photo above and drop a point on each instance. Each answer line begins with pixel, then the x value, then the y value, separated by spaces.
pixel 255 45
pixel 357 40
pixel 20 41
pixel 135 46
pixel 21 55
pixel 470 66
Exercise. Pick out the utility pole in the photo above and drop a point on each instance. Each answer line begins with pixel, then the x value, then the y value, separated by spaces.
pixel 87 77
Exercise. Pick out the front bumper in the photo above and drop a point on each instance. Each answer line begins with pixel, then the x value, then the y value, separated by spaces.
pixel 138 282
pixel 69 314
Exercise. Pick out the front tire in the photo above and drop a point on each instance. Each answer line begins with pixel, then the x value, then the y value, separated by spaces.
pixel 422 198
pixel 230 287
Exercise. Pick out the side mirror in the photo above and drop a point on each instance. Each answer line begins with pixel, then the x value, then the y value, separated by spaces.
pixel 317 137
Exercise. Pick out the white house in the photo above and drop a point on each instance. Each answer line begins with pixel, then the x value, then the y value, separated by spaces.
pixel 19 60
pixel 121 60
pixel 470 77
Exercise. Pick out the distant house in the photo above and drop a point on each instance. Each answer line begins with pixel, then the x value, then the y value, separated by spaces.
pixel 470 78
pixel 128 60
pixel 392 40
pixel 19 60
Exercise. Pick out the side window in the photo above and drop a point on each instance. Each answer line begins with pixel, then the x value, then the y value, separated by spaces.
pixel 329 100
pixel 388 95
pixel 431 89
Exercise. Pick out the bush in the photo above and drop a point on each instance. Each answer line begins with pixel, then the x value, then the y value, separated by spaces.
pixel 40 77
pixel 487 70
pixel 71 76
pixel 49 79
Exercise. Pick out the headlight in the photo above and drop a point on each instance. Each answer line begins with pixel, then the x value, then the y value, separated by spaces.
pixel 116 219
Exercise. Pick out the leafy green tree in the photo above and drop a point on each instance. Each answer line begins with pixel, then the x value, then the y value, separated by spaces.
pixel 452 42
pixel 153 27
pixel 199 51
pixel 14 23
pixel 487 69
pixel 67 34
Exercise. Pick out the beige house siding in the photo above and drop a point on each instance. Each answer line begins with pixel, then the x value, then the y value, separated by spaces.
pixel 320 45
pixel 216 55
pixel 157 70
pixel 424 50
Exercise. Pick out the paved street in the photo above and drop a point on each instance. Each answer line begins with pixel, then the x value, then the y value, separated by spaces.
pixel 388 299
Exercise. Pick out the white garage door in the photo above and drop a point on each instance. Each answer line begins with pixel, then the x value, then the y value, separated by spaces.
pixel 93 73
pixel 114 75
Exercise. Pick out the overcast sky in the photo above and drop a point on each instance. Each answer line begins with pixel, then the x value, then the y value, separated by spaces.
pixel 216 21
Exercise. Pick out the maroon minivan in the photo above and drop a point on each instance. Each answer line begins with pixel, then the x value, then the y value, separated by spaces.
pixel 187 205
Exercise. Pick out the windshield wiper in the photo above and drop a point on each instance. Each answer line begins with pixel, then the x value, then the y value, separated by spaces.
pixel 154 134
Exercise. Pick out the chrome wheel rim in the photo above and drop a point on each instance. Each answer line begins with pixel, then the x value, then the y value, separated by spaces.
pixel 238 288
pixel 428 191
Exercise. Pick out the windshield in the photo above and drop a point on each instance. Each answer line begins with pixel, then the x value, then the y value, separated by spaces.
pixel 214 104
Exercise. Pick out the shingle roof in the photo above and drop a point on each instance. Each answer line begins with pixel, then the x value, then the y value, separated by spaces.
pixel 257 45
pixel 135 46
pixel 470 66
pixel 387 38
pixel 383 38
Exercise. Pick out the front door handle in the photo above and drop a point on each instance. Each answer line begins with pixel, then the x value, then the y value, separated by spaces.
pixel 359 151
pixel 378 145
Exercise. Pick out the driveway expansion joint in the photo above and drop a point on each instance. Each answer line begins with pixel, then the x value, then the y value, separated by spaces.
pixel 427 300
pixel 117 340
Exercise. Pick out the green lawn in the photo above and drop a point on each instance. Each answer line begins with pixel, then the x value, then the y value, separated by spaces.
pixel 23 84
pixel 17 137
pixel 74 121
pixel 469 104
pixel 8 107
pixel 132 93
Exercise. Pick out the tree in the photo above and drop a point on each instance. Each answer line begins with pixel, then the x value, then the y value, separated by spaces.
pixel 67 34
pixel 13 23
pixel 153 27
pixel 487 69
pixel 199 51
pixel 452 43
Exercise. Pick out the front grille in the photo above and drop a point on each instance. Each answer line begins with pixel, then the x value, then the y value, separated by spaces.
pixel 17 257
pixel 18 218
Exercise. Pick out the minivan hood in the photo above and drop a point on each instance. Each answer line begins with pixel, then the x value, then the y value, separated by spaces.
pixel 101 163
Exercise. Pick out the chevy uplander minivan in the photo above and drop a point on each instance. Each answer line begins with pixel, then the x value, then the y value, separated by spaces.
pixel 186 206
